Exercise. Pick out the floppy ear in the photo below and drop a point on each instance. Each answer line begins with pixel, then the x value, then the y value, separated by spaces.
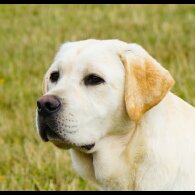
pixel 45 85
pixel 146 81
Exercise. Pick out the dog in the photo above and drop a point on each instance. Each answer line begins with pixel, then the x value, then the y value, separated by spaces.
pixel 109 102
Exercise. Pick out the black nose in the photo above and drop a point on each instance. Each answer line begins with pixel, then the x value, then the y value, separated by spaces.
pixel 48 104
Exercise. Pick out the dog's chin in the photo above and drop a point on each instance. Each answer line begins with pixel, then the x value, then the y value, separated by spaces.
pixel 62 145
pixel 86 148
pixel 47 134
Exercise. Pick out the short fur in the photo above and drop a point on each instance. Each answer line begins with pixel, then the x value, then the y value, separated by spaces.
pixel 144 135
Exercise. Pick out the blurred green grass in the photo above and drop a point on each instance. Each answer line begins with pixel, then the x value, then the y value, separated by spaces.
pixel 29 37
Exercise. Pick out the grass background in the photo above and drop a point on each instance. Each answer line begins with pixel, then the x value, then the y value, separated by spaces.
pixel 29 37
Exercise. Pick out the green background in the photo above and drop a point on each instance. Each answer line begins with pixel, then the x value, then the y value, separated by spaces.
pixel 30 35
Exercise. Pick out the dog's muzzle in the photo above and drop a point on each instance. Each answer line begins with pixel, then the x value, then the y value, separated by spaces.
pixel 48 106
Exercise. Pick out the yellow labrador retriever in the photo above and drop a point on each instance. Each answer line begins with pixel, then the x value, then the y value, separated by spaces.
pixel 109 102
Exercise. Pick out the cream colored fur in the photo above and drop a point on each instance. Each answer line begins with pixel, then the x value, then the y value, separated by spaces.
pixel 144 135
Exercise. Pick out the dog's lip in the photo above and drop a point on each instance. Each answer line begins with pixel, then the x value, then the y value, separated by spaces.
pixel 87 146
pixel 43 134
pixel 68 145
pixel 49 135
pixel 61 144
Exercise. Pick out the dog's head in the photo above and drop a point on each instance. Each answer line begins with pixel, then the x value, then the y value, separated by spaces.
pixel 94 88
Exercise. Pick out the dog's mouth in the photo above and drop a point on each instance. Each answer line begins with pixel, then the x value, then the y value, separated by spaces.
pixel 47 134
pixel 63 145
pixel 87 147
pixel 67 145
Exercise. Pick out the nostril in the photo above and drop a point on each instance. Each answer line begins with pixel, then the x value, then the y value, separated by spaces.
pixel 51 106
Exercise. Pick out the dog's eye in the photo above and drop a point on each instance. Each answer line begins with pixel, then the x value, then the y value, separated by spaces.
pixel 93 79
pixel 54 76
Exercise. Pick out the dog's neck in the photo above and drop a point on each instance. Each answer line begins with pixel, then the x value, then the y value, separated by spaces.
pixel 120 153
pixel 131 160
pixel 116 154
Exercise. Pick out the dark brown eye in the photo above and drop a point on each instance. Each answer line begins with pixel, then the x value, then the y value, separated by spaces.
pixel 54 76
pixel 93 79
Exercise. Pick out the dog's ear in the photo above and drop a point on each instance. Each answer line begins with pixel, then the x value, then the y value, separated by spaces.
pixel 146 81
pixel 45 85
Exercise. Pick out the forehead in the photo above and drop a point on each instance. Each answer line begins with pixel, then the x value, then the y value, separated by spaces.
pixel 88 56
